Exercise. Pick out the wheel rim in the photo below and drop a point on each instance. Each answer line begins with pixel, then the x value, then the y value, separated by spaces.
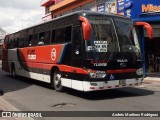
pixel 57 80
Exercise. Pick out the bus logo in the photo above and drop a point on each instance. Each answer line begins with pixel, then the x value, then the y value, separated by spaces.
pixel 53 54
pixel 122 65
pixel 31 54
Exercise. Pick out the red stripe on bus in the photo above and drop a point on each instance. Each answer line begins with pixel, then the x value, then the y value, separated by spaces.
pixel 63 68
pixel 121 71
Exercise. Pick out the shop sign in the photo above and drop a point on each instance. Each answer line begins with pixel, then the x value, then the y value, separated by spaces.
pixel 120 7
pixel 150 9
pixel 101 7
pixel 128 4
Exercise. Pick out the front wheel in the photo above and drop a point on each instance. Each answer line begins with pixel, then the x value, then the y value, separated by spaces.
pixel 57 81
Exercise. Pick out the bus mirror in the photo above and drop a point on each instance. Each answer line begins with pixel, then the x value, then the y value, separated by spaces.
pixel 147 27
pixel 86 28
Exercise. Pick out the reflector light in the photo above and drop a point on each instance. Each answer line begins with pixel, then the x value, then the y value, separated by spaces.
pixel 101 88
pixel 109 87
pixel 117 86
pixel 92 88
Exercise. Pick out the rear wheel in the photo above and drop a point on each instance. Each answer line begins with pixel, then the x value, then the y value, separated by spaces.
pixel 57 81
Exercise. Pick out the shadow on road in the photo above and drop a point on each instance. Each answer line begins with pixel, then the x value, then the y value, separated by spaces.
pixel 110 94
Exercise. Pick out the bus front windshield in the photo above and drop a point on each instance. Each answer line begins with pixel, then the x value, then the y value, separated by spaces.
pixel 111 35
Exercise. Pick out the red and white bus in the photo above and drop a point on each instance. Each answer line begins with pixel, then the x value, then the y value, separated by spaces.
pixel 86 51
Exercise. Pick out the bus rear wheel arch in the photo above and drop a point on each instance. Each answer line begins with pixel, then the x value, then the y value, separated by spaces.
pixel 56 81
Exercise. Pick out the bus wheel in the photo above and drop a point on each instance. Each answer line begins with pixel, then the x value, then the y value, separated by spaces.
pixel 13 73
pixel 57 81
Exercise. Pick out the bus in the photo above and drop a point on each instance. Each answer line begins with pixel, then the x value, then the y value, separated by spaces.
pixel 85 51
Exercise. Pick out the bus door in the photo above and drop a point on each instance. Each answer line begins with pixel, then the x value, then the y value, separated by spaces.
pixel 77 47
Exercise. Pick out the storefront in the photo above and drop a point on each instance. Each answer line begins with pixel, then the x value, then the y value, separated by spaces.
pixel 148 11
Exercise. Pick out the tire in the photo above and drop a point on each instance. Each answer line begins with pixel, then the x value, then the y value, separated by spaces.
pixel 13 73
pixel 57 81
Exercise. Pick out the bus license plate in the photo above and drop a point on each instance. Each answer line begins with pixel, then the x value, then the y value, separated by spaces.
pixel 122 82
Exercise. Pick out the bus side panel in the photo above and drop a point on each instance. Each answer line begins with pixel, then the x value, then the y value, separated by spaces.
pixel 41 54
pixel 37 62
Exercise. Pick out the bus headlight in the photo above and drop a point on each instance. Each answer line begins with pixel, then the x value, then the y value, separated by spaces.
pixel 93 75
pixel 97 74
pixel 139 71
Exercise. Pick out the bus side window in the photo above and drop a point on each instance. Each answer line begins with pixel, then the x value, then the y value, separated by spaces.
pixel 68 34
pixel 26 42
pixel 47 37
pixel 60 35
pixel 41 38
pixel 30 40
pixel 14 43
pixel 35 40
pixel 21 43
pixel 53 40
pixel 10 44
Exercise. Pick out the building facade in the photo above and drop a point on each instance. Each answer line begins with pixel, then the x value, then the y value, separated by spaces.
pixel 56 8
pixel 137 10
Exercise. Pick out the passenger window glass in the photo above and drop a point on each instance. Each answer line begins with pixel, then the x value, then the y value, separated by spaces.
pixel 41 38
pixel 53 40
pixel 60 35
pixel 47 37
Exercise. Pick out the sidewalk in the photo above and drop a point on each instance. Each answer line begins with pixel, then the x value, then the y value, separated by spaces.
pixel 5 106
pixel 152 79
pixel 151 83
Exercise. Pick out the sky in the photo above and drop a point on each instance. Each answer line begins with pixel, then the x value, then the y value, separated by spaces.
pixel 19 14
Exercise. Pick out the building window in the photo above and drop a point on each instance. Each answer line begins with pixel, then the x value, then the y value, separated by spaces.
pixel 47 10
pixel 77 9
pixel 89 5
pixel 70 11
